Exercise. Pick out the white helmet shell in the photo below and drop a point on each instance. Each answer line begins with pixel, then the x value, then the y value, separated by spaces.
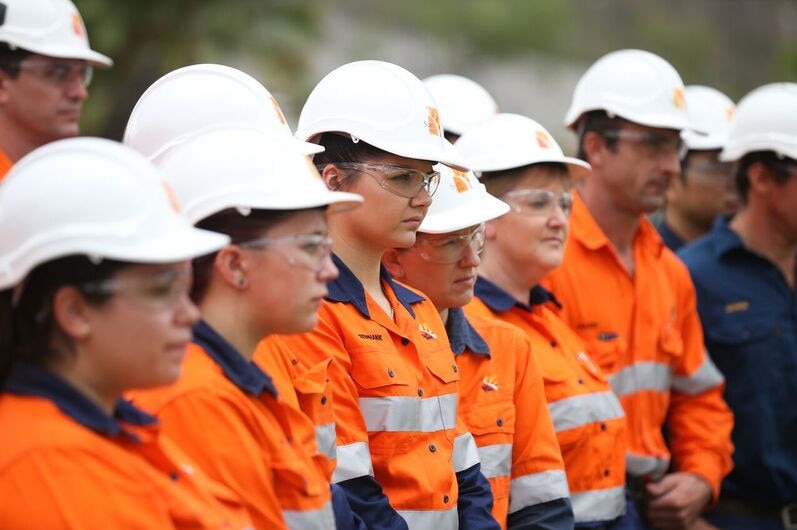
pixel 381 104
pixel 765 120
pixel 462 102
pixel 635 85
pixel 711 111
pixel 508 141
pixel 460 201
pixel 195 98
pixel 48 27
pixel 244 168
pixel 94 197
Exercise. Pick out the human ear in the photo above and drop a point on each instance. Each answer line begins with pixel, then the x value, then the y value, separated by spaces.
pixel 70 312
pixel 232 267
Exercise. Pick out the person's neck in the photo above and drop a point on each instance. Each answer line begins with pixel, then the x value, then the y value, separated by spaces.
pixel 619 226
pixel 444 315
pixel 16 143
pixel 516 284
pixel 684 227
pixel 97 389
pixel 226 317
pixel 363 260
pixel 764 236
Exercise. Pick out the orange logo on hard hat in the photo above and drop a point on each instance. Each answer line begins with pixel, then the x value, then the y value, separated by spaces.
pixel 461 181
pixel 678 99
pixel 543 140
pixel 433 121
pixel 729 112
pixel 490 383
pixel 170 196
pixel 278 110
pixel 77 24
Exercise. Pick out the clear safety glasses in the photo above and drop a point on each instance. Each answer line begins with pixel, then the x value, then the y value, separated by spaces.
pixel 158 291
pixel 308 251
pixel 401 181
pixel 710 171
pixel 539 203
pixel 450 248
pixel 58 72
pixel 655 144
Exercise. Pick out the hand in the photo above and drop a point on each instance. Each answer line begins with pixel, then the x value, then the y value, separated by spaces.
pixel 675 501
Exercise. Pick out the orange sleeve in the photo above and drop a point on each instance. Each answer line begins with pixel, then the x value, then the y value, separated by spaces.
pixel 232 455
pixel 699 420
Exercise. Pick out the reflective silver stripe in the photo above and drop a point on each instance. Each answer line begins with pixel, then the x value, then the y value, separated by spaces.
pixel 496 460
pixel 466 455
pixel 354 460
pixel 536 488
pixel 599 505
pixel 431 519
pixel 583 409
pixel 325 439
pixel 409 414
pixel 704 378
pixel 640 465
pixel 323 519
pixel 642 376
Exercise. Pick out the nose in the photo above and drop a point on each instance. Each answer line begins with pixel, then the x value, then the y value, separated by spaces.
pixel 75 88
pixel 328 271
pixel 422 199
pixel 558 217
pixel 186 313
pixel 670 163
pixel 470 258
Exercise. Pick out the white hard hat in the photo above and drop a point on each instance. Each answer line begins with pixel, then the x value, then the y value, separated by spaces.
pixel 381 104
pixel 635 85
pixel 48 27
pixel 94 197
pixel 460 201
pixel 765 120
pixel 462 102
pixel 508 141
pixel 244 168
pixel 709 110
pixel 188 100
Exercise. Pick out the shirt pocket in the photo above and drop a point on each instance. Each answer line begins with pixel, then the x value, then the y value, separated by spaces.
pixel 377 371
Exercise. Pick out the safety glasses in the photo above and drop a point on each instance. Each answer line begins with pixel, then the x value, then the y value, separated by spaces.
pixel 656 144
pixel 450 248
pixel 539 203
pixel 308 251
pixel 58 72
pixel 157 291
pixel 401 181
pixel 710 171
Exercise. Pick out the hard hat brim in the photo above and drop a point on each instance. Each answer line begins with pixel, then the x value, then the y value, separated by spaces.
pixel 467 214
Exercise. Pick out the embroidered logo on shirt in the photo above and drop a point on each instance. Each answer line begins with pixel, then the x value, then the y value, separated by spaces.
pixel 370 336
pixel 607 336
pixel 586 325
pixel 490 383
pixel 735 307
pixel 427 332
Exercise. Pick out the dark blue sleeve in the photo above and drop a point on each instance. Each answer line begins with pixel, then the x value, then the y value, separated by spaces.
pixel 475 502
pixel 344 516
pixel 370 506
pixel 551 515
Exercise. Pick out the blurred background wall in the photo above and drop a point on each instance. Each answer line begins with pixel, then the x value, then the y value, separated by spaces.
pixel 527 53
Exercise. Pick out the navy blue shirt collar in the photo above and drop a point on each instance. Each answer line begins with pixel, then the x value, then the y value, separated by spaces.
pixel 499 300
pixel 245 374
pixel 31 380
pixel 725 239
pixel 670 238
pixel 347 288
pixel 461 334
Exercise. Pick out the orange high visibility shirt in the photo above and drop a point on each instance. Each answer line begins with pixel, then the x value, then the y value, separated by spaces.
pixel 502 402
pixel 5 164
pixel 64 463
pixel 307 392
pixel 226 414
pixel 644 331
pixel 394 385
pixel 587 416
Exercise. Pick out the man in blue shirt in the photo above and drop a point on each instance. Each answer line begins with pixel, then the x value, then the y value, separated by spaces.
pixel 744 272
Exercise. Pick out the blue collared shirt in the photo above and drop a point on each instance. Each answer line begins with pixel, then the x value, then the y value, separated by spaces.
pixel 462 335
pixel 670 238
pixel 31 380
pixel 501 301
pixel 749 317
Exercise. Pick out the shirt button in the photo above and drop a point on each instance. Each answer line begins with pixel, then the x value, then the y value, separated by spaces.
pixel 580 381
pixel 390 372
pixel 445 499
pixel 605 472
pixel 420 391
pixel 174 475
pixel 454 367
pixel 603 426
pixel 323 400
pixel 554 344
pixel 432 448
pixel 405 341
pixel 500 422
